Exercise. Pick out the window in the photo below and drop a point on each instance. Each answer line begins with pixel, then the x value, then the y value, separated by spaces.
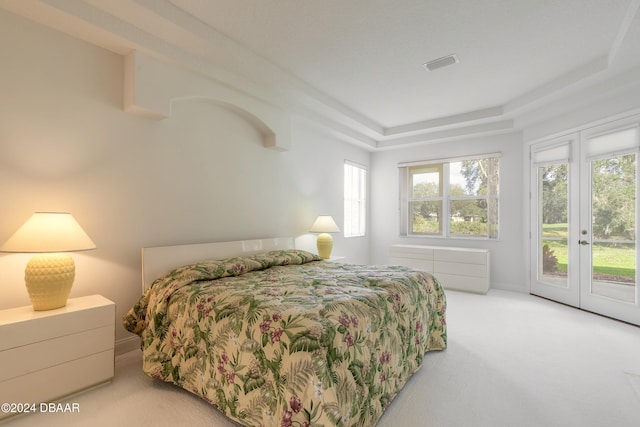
pixel 355 197
pixel 450 198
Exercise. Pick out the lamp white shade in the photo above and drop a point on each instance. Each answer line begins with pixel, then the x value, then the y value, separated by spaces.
pixel 49 274
pixel 324 225
pixel 49 232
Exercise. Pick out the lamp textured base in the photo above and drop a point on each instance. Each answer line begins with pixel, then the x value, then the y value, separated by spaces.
pixel 325 245
pixel 49 278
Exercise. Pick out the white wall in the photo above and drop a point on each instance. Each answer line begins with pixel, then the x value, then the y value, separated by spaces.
pixel 507 259
pixel 200 175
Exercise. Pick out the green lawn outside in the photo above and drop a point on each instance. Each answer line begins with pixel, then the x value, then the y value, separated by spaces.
pixel 617 259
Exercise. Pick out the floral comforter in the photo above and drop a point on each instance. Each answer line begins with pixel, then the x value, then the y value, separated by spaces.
pixel 284 339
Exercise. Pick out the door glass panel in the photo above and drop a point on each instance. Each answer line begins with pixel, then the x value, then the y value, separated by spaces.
pixel 554 206
pixel 613 248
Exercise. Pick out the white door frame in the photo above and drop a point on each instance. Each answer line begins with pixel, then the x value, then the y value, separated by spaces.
pixel 570 294
pixel 578 290
pixel 625 311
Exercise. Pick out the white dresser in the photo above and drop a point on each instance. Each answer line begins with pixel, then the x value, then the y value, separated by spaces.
pixel 462 269
pixel 47 355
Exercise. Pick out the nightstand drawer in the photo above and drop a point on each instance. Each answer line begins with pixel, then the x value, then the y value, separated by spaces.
pixel 53 383
pixel 47 355
pixel 22 325
pixel 44 354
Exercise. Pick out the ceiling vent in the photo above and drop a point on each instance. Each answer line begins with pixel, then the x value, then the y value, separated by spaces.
pixel 445 61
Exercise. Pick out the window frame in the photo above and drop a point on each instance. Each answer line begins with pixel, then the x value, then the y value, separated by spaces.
pixel 445 198
pixel 355 197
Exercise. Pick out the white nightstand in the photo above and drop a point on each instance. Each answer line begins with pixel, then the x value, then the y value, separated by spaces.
pixel 47 355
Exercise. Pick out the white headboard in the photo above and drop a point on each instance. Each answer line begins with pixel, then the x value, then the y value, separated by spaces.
pixel 160 260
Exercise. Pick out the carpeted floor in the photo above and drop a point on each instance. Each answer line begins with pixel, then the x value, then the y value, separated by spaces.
pixel 513 360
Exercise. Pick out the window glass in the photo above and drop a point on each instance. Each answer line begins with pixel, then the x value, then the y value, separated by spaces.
pixel 426 217
pixel 355 192
pixel 426 181
pixel 457 198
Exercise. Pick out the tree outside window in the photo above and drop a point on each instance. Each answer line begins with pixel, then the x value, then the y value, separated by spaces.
pixel 457 198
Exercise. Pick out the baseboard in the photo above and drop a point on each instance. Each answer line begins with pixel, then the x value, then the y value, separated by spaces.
pixel 128 344
pixel 523 289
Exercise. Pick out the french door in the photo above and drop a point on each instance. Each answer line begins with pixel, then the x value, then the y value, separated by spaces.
pixel 584 217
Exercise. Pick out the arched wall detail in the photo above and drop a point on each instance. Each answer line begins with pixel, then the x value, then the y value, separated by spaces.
pixel 150 86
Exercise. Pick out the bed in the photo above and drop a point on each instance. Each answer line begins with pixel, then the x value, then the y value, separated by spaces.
pixel 274 336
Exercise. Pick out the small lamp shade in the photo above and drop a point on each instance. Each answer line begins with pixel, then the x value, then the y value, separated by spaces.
pixel 49 274
pixel 324 225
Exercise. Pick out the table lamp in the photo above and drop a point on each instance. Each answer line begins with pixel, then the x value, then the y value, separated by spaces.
pixel 324 225
pixel 49 274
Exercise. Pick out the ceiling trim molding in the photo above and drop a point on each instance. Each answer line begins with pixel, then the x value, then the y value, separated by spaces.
pixel 632 11
pixel 447 121
pixel 482 129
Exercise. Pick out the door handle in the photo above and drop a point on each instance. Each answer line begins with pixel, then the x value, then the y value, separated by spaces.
pixel 583 242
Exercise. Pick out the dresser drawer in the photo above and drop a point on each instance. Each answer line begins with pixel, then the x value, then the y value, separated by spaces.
pixel 463 269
